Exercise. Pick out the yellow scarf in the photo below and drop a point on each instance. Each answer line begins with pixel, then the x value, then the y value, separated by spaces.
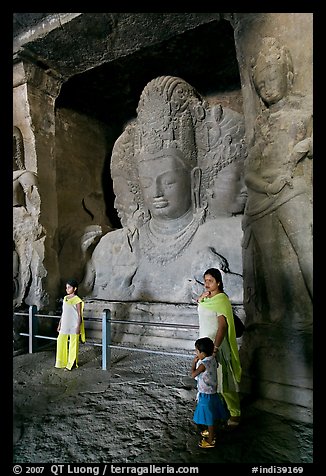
pixel 221 305
pixel 76 300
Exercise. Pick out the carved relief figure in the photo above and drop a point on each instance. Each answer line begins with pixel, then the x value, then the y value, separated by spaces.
pixel 80 235
pixel 116 251
pixel 166 158
pixel 278 215
pixel 27 232
pixel 226 192
pixel 16 272
pixel 23 180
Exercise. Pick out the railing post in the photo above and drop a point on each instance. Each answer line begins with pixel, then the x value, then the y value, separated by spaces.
pixel 32 328
pixel 106 338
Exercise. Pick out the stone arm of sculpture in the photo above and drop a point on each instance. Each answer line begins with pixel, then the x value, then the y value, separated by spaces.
pixel 257 183
pixel 87 284
pixel 302 149
pixel 28 181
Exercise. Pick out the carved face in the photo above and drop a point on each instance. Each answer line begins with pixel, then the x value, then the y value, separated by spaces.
pixel 125 201
pixel 271 82
pixel 227 195
pixel 166 187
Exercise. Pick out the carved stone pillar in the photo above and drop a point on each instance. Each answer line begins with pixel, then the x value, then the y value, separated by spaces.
pixel 34 226
pixel 276 76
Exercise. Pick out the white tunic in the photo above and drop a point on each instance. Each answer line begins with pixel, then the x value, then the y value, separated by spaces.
pixel 69 318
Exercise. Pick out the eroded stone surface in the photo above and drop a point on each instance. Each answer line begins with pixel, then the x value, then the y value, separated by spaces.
pixel 138 412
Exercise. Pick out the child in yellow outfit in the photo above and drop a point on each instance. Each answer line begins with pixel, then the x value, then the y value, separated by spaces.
pixel 71 325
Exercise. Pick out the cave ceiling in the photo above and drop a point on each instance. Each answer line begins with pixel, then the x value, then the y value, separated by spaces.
pixel 106 83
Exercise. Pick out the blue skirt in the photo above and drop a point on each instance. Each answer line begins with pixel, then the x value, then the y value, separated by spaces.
pixel 210 407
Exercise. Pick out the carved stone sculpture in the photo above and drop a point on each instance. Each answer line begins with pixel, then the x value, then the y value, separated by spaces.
pixel 23 180
pixel 78 238
pixel 278 215
pixel 113 262
pixel 165 167
pixel 27 232
pixel 16 276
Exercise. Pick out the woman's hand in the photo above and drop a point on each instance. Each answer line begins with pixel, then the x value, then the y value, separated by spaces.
pixel 204 295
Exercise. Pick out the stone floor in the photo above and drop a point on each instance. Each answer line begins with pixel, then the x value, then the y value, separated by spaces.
pixel 138 411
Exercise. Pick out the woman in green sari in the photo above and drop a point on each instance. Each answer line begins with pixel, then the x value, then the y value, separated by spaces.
pixel 216 321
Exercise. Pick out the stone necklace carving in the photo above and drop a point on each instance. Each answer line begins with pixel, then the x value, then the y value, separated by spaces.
pixel 160 245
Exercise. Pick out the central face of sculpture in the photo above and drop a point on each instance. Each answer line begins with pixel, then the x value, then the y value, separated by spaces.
pixel 166 186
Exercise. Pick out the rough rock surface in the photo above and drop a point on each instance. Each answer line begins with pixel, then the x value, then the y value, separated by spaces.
pixel 139 411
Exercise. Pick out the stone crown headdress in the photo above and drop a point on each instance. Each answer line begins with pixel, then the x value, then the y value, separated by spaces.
pixel 171 151
pixel 167 113
pixel 271 53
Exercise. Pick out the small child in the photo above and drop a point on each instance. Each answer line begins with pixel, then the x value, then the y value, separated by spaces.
pixel 209 404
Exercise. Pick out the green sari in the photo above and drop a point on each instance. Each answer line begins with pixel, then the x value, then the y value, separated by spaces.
pixel 221 305
pixel 76 300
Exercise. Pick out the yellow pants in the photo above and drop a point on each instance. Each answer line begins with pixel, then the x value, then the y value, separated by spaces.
pixel 67 355
pixel 232 401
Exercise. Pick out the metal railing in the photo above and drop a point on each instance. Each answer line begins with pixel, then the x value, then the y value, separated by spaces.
pixel 106 343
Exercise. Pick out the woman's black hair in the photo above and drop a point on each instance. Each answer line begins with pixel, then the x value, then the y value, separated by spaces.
pixel 216 273
pixel 72 282
pixel 206 345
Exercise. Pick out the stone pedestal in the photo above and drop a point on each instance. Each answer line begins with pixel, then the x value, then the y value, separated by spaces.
pixel 173 327
pixel 277 370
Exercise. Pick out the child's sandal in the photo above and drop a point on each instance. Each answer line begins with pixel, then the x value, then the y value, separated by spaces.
pixel 204 444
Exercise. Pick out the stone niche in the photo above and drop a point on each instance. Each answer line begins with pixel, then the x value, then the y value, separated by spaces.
pixel 82 219
pixel 177 173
